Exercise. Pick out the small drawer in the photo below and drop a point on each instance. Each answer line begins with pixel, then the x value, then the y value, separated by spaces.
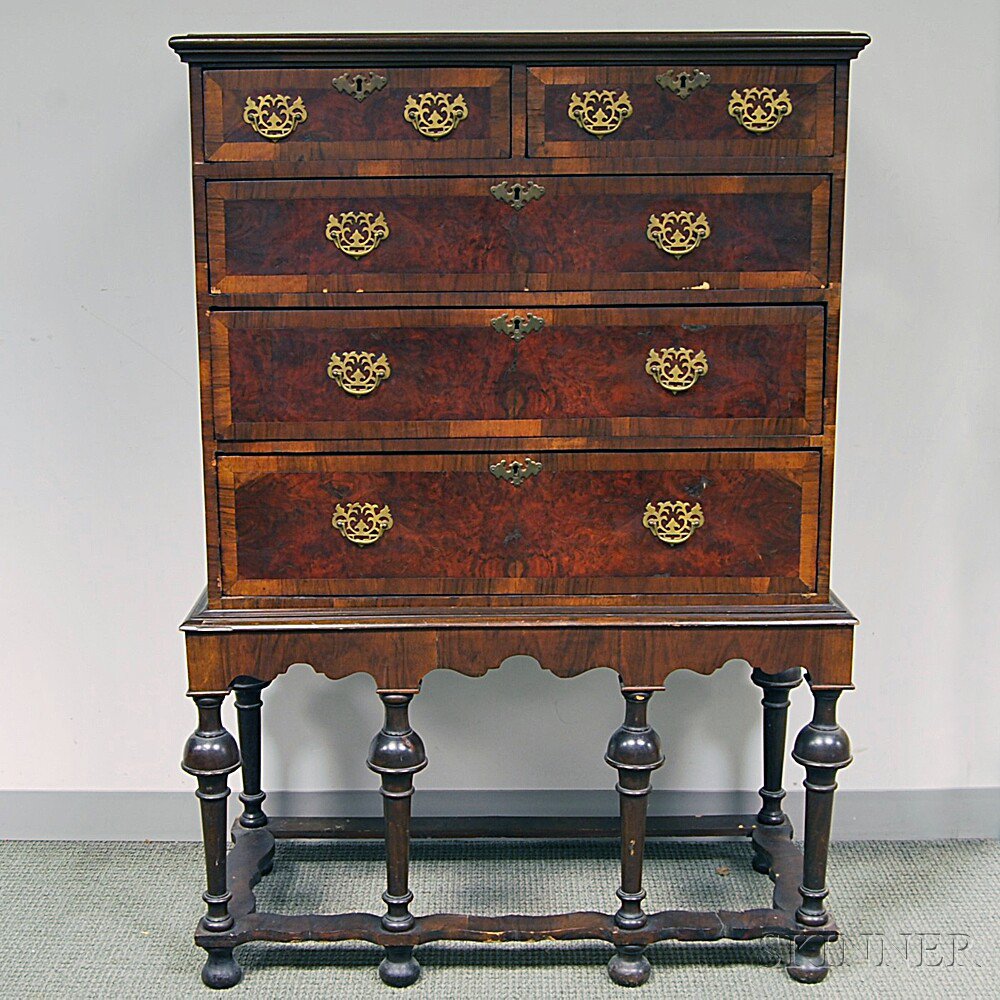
pixel 713 111
pixel 364 114
pixel 517 234
pixel 517 372
pixel 543 523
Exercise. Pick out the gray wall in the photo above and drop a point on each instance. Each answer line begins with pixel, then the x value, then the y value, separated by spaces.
pixel 101 508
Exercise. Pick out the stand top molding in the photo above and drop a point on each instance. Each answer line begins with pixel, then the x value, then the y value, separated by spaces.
pixel 201 619
pixel 489 49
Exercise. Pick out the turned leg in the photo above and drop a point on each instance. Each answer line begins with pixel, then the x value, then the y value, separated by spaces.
pixel 776 688
pixel 396 754
pixel 248 706
pixel 211 755
pixel 822 747
pixel 634 750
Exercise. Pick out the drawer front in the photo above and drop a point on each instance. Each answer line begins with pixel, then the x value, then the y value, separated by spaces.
pixel 455 234
pixel 317 114
pixel 529 371
pixel 630 111
pixel 551 523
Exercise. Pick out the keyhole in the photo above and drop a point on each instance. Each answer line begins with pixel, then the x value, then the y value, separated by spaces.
pixel 358 84
pixel 682 80
pixel 517 323
pixel 517 192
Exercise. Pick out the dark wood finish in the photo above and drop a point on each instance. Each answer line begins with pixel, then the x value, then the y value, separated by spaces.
pixel 822 748
pixel 339 126
pixel 211 756
pixel 460 48
pixel 396 754
pixel 452 234
pixel 507 827
pixel 582 373
pixel 576 527
pixel 776 688
pixel 248 706
pixel 253 850
pixel 475 570
pixel 634 751
pixel 399 648
pixel 662 124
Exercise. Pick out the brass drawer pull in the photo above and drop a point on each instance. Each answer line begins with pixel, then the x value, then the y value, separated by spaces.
pixel 517 472
pixel 362 523
pixel 678 233
pixel 517 327
pixel 356 233
pixel 435 115
pixel 673 521
pixel 358 373
pixel 600 112
pixel 274 116
pixel 683 81
pixel 516 194
pixel 359 85
pixel 676 368
pixel 759 109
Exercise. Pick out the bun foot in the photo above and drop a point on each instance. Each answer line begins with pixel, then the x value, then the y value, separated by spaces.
pixel 629 966
pixel 399 967
pixel 221 970
pixel 808 964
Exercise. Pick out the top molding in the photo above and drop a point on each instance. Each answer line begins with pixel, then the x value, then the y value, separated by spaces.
pixel 470 49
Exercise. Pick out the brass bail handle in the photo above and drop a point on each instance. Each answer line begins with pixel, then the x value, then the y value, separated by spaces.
pixel 673 521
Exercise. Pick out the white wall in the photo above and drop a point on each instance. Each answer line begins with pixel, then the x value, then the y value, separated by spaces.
pixel 101 545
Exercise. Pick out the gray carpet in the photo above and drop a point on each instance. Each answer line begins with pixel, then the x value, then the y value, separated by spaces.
pixel 114 920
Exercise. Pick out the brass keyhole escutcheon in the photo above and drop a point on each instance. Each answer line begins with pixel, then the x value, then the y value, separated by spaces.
pixel 517 194
pixel 517 327
pixel 517 472
pixel 359 85
pixel 683 82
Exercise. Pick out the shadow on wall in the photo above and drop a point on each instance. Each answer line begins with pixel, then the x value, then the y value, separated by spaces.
pixel 317 731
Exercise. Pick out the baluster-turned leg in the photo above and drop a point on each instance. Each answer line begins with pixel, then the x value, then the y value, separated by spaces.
pixel 396 754
pixel 634 750
pixel 776 688
pixel 211 755
pixel 822 747
pixel 248 706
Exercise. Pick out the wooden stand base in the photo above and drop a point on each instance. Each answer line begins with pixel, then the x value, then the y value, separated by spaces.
pixel 244 652
pixel 252 856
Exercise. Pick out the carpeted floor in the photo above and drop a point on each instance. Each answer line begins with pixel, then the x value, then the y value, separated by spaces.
pixel 114 920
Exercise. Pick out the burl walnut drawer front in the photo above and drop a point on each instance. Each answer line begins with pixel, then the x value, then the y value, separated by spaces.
pixel 548 523
pixel 535 371
pixel 515 234
pixel 629 111
pixel 316 114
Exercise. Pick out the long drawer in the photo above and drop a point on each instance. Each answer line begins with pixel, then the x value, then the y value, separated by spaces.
pixel 548 523
pixel 375 374
pixel 513 234
pixel 316 114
